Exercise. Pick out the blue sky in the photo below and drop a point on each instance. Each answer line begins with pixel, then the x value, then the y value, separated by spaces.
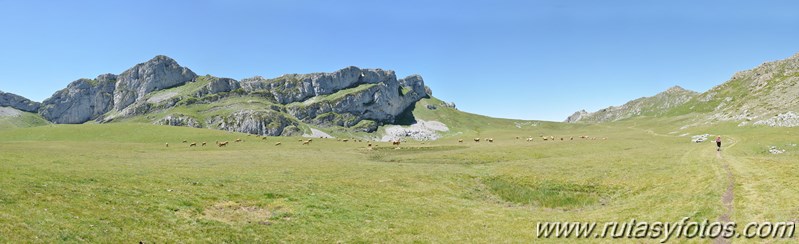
pixel 512 59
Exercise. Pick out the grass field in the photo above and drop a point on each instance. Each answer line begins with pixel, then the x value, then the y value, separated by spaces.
pixel 120 183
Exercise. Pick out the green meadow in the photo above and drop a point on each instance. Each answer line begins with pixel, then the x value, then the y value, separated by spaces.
pixel 119 182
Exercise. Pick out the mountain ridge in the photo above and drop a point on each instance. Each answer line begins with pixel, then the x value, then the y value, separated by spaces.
pixel 764 95
pixel 160 90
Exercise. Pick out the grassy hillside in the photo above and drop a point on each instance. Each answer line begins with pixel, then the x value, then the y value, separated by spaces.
pixel 119 182
pixel 23 120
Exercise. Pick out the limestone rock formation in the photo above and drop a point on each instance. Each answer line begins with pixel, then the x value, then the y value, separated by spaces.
pixel 267 123
pixel 179 120
pixel 577 116
pixel 295 87
pixel 159 73
pixel 18 102
pixel 81 101
pixel 361 99
pixel 218 85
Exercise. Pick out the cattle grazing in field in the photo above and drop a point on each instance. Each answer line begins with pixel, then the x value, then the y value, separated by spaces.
pixel 238 139
pixel 222 144
pixel 460 140
pixel 263 138
pixel 529 139
pixel 490 139
pixel 476 139
pixel 345 140
pixel 167 144
pixel 604 138
pixel 517 138
pixel 397 142
pixel 185 141
pixel 204 143
pixel 308 142
pixel 193 144
pixel 571 138
pixel 277 144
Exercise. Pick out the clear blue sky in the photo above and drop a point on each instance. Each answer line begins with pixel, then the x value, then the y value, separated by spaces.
pixel 513 59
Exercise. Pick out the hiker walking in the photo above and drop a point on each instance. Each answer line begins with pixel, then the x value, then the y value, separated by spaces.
pixel 718 143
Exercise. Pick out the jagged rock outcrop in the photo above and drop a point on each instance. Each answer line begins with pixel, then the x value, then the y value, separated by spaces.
pixel 295 87
pixel 81 101
pixel 159 73
pixel 267 123
pixel 652 106
pixel 576 116
pixel 18 102
pixel 361 99
pixel 381 102
pixel 179 120
pixel 788 119
pixel 218 85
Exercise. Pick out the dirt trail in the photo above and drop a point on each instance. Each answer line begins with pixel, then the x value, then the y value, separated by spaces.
pixel 729 194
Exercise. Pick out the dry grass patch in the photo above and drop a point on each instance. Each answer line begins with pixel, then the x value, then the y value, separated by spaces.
pixel 231 212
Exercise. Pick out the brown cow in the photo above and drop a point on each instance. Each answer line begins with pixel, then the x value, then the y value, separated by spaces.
pixel 193 144
pixel 222 144
pixel 204 143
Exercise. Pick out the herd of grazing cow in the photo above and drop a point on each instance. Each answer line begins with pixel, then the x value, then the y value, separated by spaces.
pixel 530 138
pixel 393 142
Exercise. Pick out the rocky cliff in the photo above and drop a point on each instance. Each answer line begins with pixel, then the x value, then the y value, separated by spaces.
pixel 18 102
pixel 163 92
pixel 159 73
pixel 81 101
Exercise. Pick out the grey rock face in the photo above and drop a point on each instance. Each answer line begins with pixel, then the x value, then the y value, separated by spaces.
pixel 179 120
pixel 218 85
pixel 294 88
pixel 18 102
pixel 787 119
pixel 381 102
pixel 159 73
pixel 577 116
pixel 81 101
pixel 267 123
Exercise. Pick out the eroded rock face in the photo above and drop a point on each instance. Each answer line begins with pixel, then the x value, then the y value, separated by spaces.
pixel 218 85
pixel 361 99
pixel 179 120
pixel 81 101
pixel 295 88
pixel 381 102
pixel 267 123
pixel 159 73
pixel 18 102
